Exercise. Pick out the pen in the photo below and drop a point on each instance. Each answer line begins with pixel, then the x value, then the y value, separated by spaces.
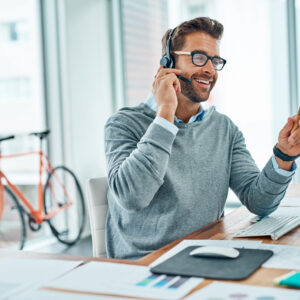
pixel 296 125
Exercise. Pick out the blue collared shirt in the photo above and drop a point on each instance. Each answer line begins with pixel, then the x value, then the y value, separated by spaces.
pixel 151 103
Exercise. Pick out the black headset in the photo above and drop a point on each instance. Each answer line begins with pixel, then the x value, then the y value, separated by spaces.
pixel 168 61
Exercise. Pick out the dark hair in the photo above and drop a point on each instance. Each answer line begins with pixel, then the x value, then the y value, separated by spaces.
pixel 201 24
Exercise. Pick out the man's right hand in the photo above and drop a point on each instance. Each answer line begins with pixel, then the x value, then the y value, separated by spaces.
pixel 166 86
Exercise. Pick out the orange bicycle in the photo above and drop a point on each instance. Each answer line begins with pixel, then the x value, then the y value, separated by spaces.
pixel 60 202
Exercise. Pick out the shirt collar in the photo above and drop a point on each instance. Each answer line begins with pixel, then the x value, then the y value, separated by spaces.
pixel 151 103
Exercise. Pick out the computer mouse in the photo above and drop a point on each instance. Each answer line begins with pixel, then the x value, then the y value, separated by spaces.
pixel 211 251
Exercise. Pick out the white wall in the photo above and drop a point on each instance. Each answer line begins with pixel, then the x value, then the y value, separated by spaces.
pixel 86 83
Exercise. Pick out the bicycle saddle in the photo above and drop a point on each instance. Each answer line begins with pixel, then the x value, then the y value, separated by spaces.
pixel 41 134
pixel 8 137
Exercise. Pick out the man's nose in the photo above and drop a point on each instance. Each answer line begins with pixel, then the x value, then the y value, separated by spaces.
pixel 209 68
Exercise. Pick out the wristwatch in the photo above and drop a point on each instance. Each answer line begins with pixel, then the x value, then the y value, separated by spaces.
pixel 277 152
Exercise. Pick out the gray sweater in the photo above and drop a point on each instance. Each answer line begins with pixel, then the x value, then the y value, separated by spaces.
pixel 162 186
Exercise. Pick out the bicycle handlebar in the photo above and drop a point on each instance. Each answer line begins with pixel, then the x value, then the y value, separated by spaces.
pixel 6 138
pixel 41 134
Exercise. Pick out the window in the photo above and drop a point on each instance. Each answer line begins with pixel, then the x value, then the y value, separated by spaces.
pixel 296 189
pixel 21 93
pixel 21 82
pixel 253 88
pixel 144 23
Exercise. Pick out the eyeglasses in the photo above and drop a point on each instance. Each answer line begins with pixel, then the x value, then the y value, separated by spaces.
pixel 200 59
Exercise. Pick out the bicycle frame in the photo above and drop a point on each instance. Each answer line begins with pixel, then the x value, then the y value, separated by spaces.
pixel 38 214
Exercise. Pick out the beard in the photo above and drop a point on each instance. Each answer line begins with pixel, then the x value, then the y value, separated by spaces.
pixel 196 96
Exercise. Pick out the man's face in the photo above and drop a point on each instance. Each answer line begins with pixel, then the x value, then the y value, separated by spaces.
pixel 203 78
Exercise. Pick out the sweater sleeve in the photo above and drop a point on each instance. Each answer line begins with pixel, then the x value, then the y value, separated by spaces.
pixel 261 192
pixel 136 165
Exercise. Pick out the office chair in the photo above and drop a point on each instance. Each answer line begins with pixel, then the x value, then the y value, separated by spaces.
pixel 97 206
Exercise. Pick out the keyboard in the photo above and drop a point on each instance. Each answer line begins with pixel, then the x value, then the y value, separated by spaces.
pixel 275 227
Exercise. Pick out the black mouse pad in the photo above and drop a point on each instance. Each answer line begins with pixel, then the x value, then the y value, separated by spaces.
pixel 217 268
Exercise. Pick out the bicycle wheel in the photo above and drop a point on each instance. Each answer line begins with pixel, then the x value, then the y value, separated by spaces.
pixel 12 224
pixel 62 187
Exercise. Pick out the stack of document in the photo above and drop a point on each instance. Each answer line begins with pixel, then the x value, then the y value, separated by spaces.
pixel 23 278
pixel 20 275
pixel 55 295
pixel 232 291
pixel 124 279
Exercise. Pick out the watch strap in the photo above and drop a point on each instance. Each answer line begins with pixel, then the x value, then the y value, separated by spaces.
pixel 285 157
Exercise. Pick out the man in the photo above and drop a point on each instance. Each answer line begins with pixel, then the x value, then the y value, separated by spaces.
pixel 170 163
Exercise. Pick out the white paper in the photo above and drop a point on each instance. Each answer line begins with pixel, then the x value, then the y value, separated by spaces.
pixel 124 279
pixel 17 275
pixel 222 243
pixel 231 291
pixel 284 257
pixel 54 295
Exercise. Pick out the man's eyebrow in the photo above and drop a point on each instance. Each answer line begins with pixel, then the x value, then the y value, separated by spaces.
pixel 202 51
pixel 199 50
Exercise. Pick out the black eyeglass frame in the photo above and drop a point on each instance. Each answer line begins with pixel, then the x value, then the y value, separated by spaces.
pixel 207 58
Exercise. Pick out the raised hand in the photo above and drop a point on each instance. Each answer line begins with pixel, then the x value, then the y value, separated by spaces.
pixel 288 141
pixel 166 86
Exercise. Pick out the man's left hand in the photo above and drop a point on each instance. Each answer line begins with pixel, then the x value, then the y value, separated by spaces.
pixel 289 143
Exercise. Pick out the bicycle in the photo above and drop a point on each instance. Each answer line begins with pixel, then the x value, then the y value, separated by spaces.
pixel 60 202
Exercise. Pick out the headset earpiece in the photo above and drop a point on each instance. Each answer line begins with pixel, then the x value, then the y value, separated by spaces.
pixel 167 61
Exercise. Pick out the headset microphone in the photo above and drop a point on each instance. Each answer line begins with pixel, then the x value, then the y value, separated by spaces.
pixel 184 79
pixel 168 61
